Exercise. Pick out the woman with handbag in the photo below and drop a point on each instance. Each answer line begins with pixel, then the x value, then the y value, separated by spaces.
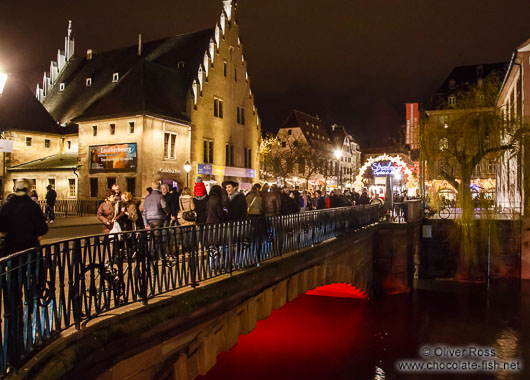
pixel 186 215
pixel 130 218
pixel 254 202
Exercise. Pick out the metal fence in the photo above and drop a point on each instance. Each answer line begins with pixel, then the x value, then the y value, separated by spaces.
pixel 48 289
pixel 72 207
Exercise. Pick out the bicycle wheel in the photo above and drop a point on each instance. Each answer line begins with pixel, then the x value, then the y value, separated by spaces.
pixel 444 213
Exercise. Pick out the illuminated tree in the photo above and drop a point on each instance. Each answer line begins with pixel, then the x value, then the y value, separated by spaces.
pixel 291 156
pixel 474 132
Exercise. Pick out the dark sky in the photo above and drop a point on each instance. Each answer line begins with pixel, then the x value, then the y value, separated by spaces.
pixel 352 62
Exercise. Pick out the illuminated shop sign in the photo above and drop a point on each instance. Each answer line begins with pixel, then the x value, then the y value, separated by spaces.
pixel 118 157
pixel 226 171
pixel 384 168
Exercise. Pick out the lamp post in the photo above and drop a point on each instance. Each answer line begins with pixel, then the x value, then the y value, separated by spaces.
pixel 338 155
pixel 187 169
pixel 3 80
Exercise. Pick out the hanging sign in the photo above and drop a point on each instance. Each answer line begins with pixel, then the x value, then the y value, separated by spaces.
pixel 6 146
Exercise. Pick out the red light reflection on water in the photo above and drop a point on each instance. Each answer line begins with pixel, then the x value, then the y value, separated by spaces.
pixel 309 338
pixel 339 290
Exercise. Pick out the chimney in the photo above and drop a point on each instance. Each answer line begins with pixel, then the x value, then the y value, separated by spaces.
pixel 140 44
pixel 89 54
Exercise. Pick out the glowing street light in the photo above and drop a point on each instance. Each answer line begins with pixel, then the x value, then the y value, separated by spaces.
pixel 187 169
pixel 338 155
pixel 3 80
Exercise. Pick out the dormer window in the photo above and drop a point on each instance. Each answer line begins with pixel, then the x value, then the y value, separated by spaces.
pixel 452 84
pixel 62 86
pixel 88 82
pixel 115 77
pixel 452 100
pixel 180 65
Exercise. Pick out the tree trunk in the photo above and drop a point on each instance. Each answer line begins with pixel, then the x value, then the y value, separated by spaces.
pixel 468 265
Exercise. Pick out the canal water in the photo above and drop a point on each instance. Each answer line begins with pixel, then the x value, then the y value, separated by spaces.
pixel 442 325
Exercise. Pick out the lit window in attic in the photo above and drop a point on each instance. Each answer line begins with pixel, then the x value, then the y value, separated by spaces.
pixel 180 65
pixel 61 86
pixel 115 77
pixel 88 82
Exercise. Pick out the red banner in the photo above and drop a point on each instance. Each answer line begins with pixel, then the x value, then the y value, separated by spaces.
pixel 412 137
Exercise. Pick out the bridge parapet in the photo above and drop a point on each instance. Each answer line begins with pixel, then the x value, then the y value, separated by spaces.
pixel 65 285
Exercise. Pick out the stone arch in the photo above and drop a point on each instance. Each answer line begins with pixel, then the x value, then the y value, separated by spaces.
pixel 222 334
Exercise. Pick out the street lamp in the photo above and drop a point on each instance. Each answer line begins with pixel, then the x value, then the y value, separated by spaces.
pixel 3 80
pixel 338 155
pixel 187 169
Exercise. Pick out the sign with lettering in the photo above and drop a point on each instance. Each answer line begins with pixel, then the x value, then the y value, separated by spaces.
pixel 384 168
pixel 226 171
pixel 119 157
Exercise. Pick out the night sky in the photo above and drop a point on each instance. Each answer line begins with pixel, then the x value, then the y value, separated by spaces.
pixel 352 62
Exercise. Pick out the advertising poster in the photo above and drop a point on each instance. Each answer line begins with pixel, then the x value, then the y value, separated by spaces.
pixel 118 157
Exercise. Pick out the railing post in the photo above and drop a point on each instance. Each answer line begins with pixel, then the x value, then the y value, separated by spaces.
pixel 77 301
pixel 230 255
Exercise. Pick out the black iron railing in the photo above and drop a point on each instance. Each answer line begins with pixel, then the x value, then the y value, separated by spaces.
pixel 48 289
pixel 72 207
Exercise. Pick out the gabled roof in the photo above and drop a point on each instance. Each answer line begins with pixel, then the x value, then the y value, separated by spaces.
pixel 139 92
pixel 312 128
pixel 64 161
pixel 177 57
pixel 461 76
pixel 20 110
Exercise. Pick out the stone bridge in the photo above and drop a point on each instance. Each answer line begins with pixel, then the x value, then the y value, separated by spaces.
pixel 178 334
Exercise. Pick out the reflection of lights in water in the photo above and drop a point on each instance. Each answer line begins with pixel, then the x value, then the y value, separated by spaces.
pixel 506 349
pixel 379 374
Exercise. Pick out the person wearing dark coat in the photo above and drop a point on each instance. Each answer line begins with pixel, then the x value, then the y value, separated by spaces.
pixel 237 208
pixel 288 203
pixel 51 196
pixel 344 200
pixel 334 200
pixel 319 200
pixel 21 220
pixel 200 198
pixel 214 206
pixel 364 198
pixel 271 202
pixel 224 195
pixel 172 203
pixel 356 198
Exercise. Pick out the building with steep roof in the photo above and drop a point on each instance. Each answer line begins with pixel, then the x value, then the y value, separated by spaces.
pixel 313 147
pixel 143 111
pixel 35 135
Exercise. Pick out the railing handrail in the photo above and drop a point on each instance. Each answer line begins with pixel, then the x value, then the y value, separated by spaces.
pixel 47 289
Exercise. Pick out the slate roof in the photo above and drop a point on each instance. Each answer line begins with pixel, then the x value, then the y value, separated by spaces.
pixel 312 128
pixel 151 83
pixel 20 110
pixel 462 76
pixel 65 161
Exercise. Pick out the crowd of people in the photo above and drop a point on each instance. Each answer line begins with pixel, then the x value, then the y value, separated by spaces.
pixel 164 206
